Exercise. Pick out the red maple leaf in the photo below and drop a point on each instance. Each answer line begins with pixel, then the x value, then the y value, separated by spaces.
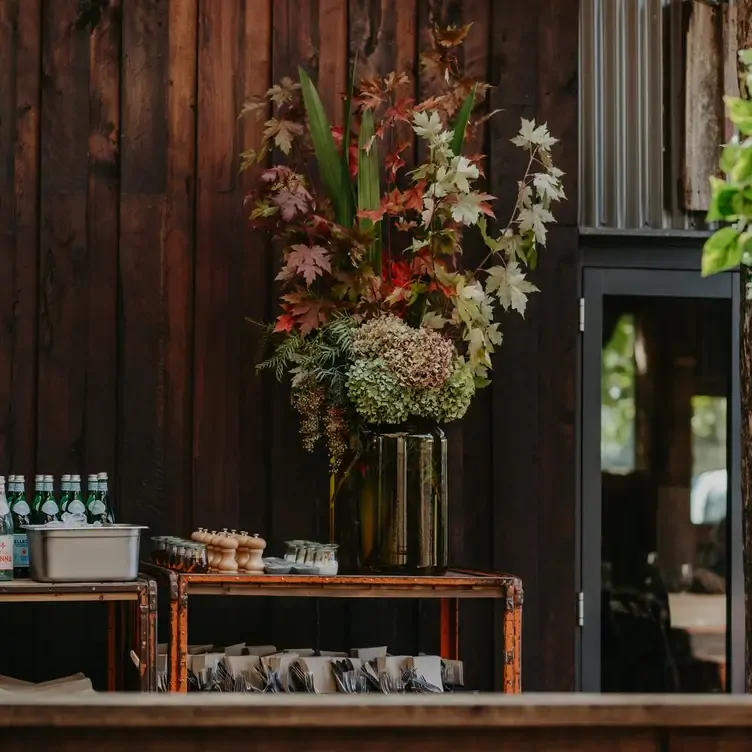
pixel 400 111
pixel 399 272
pixel 309 261
pixel 375 215
pixel 413 198
pixel 394 161
pixel 285 323
pixel 405 225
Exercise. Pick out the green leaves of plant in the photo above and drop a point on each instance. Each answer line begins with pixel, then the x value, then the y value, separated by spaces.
pixel 723 250
pixel 369 192
pixel 328 159
pixel 460 124
pixel 740 113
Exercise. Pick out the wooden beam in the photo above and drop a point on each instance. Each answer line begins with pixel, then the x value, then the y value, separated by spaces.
pixel 703 103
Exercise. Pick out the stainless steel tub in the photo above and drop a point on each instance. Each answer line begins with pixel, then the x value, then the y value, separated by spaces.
pixel 86 554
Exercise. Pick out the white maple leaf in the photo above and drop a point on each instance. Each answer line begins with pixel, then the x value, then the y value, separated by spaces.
pixel 464 171
pixel 510 286
pixel 434 320
pixel 427 126
pixel 468 207
pixel 547 187
pixel 444 183
pixel 534 218
pixel 531 135
pixel 427 213
pixel 526 194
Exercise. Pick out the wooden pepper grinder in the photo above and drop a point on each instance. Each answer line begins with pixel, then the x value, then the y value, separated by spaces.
pixel 228 547
pixel 256 548
pixel 198 536
pixel 243 553
pixel 212 552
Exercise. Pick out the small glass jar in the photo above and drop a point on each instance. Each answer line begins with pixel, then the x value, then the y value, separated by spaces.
pixel 326 559
pixel 201 559
pixel 157 549
pixel 301 551
pixel 291 550
pixel 310 554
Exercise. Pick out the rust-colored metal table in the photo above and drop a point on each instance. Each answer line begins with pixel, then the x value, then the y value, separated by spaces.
pixel 450 588
pixel 131 619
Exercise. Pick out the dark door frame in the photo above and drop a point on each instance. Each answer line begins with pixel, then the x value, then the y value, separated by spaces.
pixel 662 282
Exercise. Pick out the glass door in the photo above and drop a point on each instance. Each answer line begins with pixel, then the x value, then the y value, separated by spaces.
pixel 663 604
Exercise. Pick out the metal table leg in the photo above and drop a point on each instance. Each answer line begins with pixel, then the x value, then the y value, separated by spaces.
pixel 450 628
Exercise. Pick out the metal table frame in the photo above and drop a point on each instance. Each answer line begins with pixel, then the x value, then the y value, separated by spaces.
pixel 130 605
pixel 450 588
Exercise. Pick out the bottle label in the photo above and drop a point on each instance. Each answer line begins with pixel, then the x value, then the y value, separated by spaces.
pixel 21 508
pixel 20 550
pixel 97 507
pixel 76 506
pixel 6 553
pixel 50 508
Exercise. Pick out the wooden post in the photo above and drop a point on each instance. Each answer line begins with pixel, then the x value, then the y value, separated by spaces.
pixel 744 41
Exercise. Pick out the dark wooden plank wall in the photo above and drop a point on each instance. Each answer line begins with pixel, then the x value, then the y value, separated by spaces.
pixel 127 271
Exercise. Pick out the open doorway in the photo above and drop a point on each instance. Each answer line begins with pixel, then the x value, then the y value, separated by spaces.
pixel 661 514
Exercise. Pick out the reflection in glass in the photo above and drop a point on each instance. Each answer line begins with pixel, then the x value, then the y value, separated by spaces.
pixel 665 380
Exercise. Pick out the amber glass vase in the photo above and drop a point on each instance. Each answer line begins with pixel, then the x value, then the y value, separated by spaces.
pixel 390 505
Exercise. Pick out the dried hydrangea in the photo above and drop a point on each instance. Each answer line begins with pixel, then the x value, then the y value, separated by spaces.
pixel 377 393
pixel 336 430
pixel 307 398
pixel 420 358
pixel 452 400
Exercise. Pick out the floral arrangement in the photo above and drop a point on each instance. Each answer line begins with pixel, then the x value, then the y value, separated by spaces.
pixel 380 322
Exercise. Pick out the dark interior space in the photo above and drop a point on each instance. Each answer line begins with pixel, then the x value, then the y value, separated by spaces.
pixel 665 386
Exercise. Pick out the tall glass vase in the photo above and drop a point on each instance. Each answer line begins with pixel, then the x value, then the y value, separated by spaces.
pixel 390 508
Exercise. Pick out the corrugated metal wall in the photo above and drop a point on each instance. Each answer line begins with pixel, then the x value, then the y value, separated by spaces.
pixel 632 115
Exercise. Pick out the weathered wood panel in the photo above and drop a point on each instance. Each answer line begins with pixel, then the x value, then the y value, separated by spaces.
pixel 156 262
pixel 20 93
pixel 128 272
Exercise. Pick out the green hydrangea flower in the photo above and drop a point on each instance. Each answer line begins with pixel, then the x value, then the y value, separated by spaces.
pixel 451 401
pixel 377 393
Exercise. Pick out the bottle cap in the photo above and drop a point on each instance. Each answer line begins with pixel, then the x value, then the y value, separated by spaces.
pixel 76 478
pixel 39 477
pixel 92 478
pixel 102 476
pixel 11 479
pixel 2 480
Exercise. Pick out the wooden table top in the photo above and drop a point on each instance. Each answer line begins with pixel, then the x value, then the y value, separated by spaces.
pixel 343 711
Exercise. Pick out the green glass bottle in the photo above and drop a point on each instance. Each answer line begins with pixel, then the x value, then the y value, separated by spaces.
pixel 105 496
pixel 6 536
pixel 21 514
pixel 45 507
pixel 11 489
pixel 65 482
pixel 96 511
pixel 36 507
pixel 76 506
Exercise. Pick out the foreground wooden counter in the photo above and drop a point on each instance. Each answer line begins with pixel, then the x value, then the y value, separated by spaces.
pixel 710 723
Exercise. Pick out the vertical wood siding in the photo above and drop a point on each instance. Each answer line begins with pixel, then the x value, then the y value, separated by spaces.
pixel 127 273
